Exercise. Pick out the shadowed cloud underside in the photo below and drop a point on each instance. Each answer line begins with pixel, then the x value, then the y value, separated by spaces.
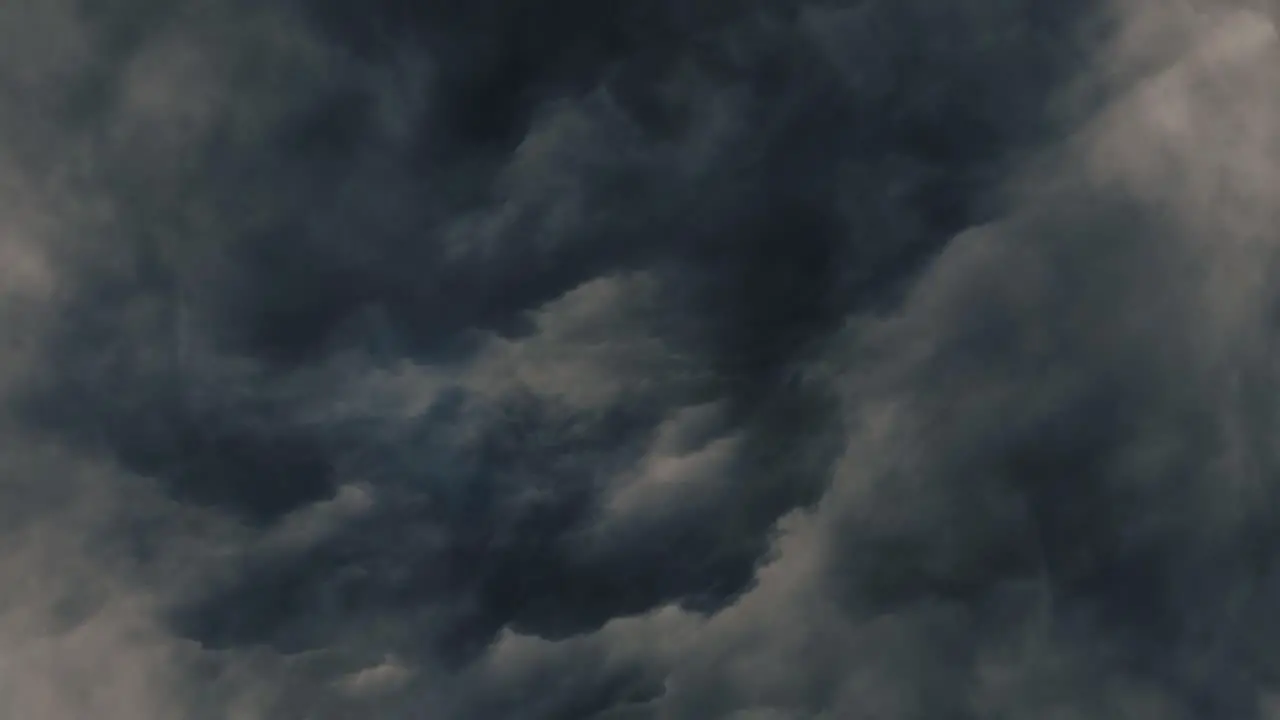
pixel 759 360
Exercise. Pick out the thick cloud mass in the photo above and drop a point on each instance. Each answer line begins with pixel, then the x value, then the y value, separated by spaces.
pixel 658 360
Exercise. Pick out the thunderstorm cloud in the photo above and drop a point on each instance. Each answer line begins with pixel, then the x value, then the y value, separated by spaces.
pixel 652 360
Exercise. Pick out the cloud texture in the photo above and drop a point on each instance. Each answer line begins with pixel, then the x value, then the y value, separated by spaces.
pixel 663 360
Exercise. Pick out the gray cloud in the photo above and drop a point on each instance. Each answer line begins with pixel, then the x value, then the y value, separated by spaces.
pixel 770 360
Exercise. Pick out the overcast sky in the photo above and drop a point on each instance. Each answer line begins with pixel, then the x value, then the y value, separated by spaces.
pixel 648 360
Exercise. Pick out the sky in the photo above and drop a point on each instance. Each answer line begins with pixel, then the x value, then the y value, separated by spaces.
pixel 661 360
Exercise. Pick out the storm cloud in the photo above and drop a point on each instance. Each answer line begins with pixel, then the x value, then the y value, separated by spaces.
pixel 763 360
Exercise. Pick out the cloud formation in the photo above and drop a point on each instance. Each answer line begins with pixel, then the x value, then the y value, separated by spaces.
pixel 768 360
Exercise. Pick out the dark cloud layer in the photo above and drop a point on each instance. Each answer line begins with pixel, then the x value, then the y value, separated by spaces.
pixel 751 360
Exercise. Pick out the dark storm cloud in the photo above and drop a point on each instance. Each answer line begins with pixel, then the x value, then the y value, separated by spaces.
pixel 738 215
pixel 570 360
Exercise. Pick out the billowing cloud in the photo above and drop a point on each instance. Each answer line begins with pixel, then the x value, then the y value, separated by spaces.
pixel 774 360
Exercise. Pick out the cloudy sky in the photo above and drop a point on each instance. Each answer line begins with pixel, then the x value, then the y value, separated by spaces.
pixel 651 360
